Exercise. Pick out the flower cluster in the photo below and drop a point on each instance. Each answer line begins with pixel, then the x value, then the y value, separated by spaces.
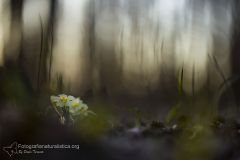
pixel 73 106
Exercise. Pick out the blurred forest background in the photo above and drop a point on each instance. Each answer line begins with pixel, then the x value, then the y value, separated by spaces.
pixel 120 49
pixel 159 56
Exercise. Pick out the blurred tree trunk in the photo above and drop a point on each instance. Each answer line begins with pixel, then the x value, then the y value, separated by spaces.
pixel 13 48
pixel 91 38
pixel 235 52
pixel 236 38
pixel 48 57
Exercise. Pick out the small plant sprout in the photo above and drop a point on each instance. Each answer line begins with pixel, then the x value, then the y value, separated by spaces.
pixel 69 107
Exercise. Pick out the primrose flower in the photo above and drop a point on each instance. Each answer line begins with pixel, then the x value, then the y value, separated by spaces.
pixel 77 107
pixel 61 100
pixel 57 101
pixel 74 102
pixel 73 105
pixel 84 110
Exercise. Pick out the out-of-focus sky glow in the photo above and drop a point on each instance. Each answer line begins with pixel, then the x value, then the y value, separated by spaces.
pixel 143 38
pixel 69 57
pixel 167 31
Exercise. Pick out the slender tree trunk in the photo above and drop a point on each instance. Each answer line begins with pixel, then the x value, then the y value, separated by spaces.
pixel 13 49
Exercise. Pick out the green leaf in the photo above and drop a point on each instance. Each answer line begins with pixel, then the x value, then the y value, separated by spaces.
pixel 172 113
pixel 180 83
